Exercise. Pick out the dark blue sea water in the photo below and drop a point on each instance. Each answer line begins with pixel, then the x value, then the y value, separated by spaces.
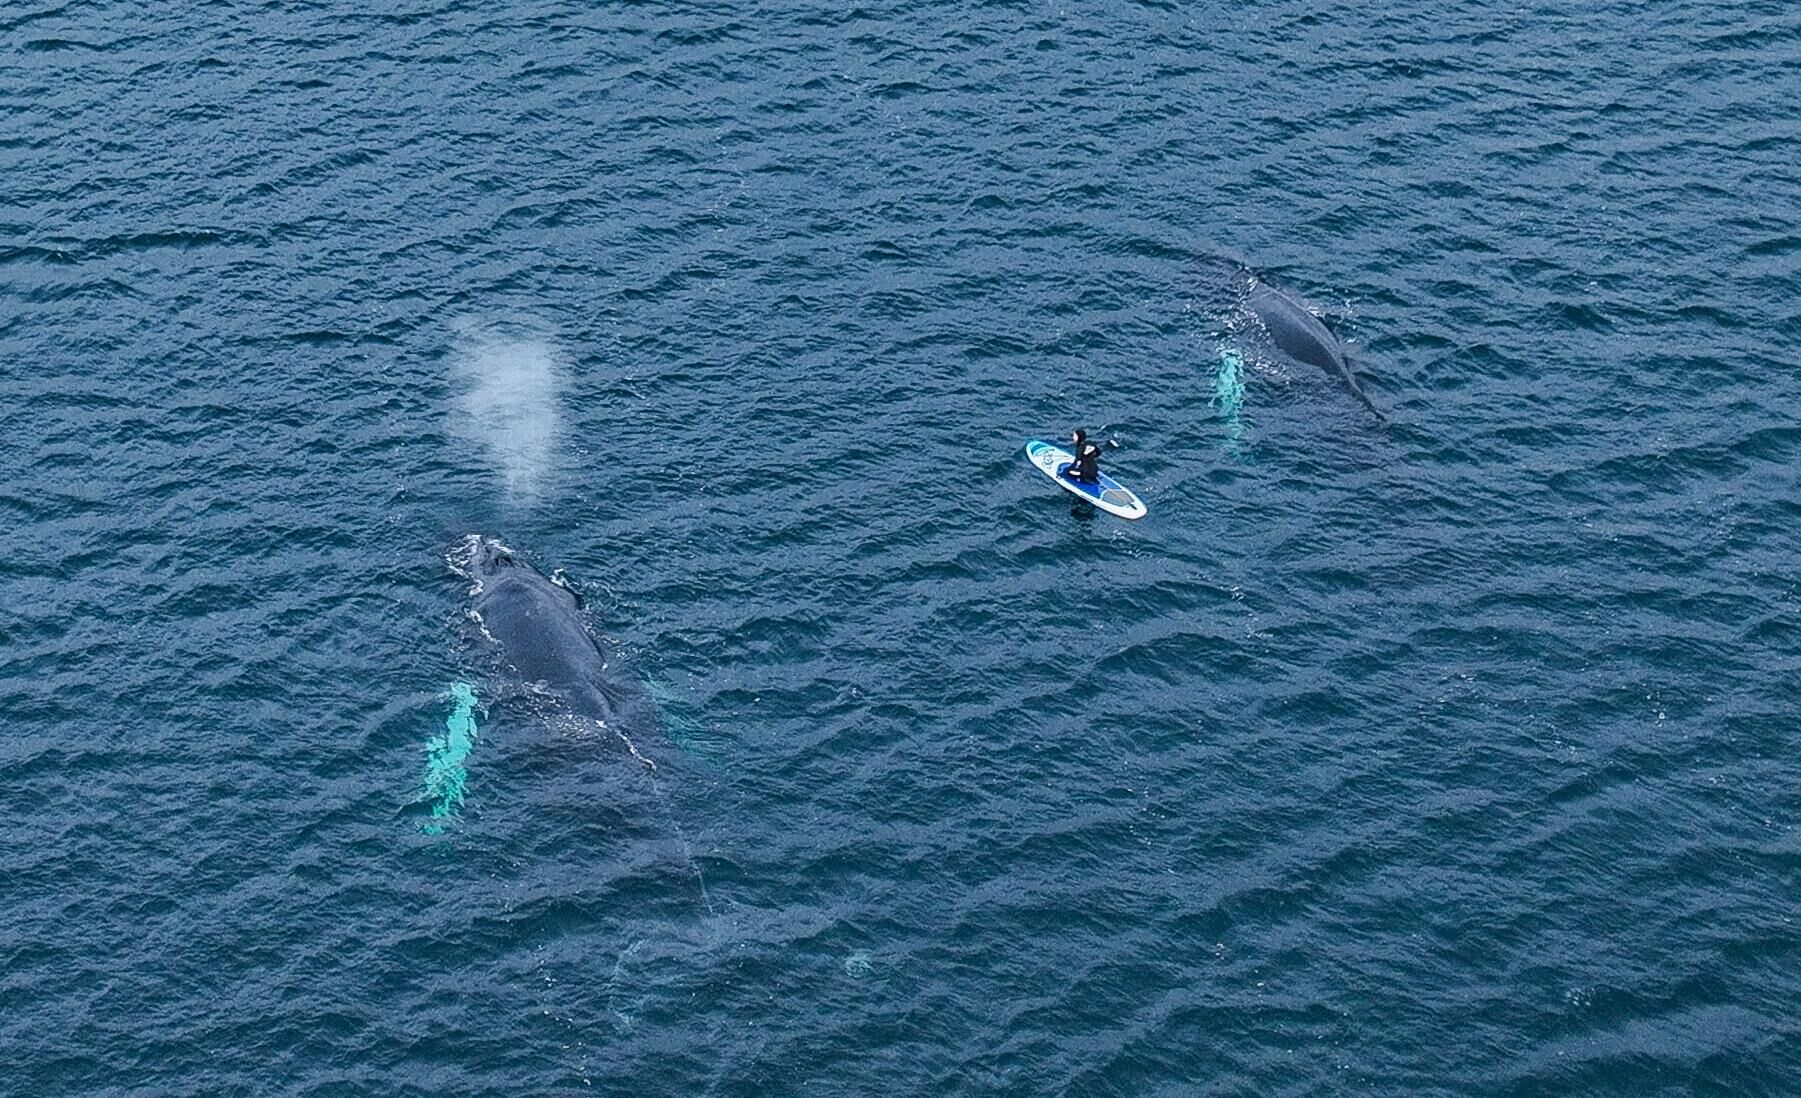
pixel 1452 754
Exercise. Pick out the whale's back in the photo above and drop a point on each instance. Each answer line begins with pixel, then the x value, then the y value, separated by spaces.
pixel 1294 330
pixel 1297 333
pixel 542 636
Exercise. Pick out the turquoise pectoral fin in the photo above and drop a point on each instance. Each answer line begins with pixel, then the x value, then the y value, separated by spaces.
pixel 445 776
pixel 1228 395
pixel 1228 383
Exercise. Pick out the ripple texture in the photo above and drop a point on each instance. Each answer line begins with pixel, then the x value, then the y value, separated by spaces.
pixel 1453 755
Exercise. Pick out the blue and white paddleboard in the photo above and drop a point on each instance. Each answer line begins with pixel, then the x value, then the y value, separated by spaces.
pixel 1109 495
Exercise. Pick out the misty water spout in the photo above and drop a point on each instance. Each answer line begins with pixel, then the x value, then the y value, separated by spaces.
pixel 509 387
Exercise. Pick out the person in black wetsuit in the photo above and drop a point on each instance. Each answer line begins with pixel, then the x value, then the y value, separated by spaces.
pixel 1086 468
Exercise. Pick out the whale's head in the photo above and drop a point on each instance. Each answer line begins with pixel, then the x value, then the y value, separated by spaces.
pixel 481 559
pixel 491 557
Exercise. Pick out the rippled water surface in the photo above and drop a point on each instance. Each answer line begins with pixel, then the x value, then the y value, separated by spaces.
pixel 1451 752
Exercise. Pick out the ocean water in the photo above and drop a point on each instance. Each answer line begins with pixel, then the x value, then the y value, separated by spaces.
pixel 1451 753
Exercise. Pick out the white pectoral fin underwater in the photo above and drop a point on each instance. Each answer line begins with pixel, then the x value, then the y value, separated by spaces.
pixel 446 778
pixel 1102 491
pixel 1228 398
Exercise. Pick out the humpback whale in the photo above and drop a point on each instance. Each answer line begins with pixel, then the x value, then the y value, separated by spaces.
pixel 542 637
pixel 1295 331
pixel 537 625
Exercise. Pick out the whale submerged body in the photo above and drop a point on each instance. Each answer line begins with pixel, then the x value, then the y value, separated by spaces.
pixel 1296 332
pixel 537 625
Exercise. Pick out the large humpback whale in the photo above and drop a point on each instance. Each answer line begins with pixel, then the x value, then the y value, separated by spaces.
pixel 542 636
pixel 537 625
pixel 1295 331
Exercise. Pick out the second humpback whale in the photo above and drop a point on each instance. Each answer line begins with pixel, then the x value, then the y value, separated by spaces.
pixel 1294 330
pixel 537 625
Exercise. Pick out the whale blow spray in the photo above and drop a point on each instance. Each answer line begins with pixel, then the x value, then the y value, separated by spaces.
pixel 509 384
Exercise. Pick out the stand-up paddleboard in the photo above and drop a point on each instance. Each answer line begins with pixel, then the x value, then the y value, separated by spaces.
pixel 1109 495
